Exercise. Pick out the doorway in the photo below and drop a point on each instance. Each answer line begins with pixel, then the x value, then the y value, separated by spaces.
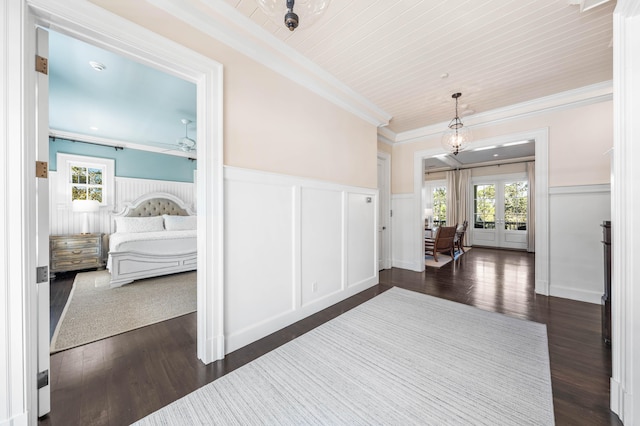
pixel 97 26
pixel 541 139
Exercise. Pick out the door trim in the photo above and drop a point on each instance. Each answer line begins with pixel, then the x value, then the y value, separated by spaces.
pixel 90 23
pixel 541 138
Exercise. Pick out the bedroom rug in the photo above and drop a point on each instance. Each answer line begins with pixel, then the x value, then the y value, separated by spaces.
pixel 95 311
pixel 400 358
pixel 443 259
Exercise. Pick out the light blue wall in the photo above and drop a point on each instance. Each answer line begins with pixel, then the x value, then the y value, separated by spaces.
pixel 131 163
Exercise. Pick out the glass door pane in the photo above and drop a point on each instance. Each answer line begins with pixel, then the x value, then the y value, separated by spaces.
pixel 484 206
pixel 515 206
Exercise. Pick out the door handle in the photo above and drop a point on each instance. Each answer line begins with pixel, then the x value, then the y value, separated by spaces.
pixel 384 227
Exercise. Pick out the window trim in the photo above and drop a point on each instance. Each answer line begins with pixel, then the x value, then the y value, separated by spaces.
pixel 66 161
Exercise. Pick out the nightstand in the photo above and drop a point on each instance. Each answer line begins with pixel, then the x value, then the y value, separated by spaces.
pixel 75 252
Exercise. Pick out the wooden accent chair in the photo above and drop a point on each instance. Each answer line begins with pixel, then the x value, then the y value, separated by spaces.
pixel 459 239
pixel 442 243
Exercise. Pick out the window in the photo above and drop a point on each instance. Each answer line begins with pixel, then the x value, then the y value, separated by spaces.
pixel 439 206
pixel 86 182
pixel 434 194
pixel 85 178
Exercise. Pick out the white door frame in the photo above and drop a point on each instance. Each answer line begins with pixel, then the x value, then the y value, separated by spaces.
pixel 625 297
pixel 541 139
pixel 42 228
pixel 90 23
pixel 384 198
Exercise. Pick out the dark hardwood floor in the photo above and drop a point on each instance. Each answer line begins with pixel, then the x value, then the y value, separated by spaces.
pixel 121 379
pixel 59 291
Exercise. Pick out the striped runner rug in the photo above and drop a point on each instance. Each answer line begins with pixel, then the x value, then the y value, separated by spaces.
pixel 399 358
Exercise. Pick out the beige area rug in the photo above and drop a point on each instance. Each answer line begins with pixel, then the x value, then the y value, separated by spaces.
pixel 95 311
pixel 443 259
pixel 401 358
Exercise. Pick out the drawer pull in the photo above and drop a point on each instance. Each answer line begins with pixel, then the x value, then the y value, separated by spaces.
pixel 76 261
pixel 76 251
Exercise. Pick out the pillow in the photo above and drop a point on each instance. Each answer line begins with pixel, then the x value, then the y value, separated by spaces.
pixel 139 224
pixel 180 223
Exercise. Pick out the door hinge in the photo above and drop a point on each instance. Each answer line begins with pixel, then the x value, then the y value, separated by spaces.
pixel 390 213
pixel 42 169
pixel 43 379
pixel 42 65
pixel 42 274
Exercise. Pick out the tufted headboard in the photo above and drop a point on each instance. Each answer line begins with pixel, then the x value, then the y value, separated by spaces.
pixel 157 207
pixel 156 204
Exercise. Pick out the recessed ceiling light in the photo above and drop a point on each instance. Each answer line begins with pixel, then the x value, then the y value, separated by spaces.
pixel 515 143
pixel 484 148
pixel 444 75
pixel 496 155
pixel 97 66
pixel 93 128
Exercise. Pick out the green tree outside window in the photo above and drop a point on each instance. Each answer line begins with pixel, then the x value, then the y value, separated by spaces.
pixel 86 183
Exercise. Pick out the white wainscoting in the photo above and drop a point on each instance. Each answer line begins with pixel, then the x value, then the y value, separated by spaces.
pixel 293 247
pixel 576 267
pixel 404 233
pixel 64 221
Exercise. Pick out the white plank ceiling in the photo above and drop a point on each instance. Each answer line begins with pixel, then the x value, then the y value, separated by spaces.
pixel 496 52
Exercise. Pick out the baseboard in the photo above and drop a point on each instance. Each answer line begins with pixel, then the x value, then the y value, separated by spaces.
pixel 542 287
pixel 257 331
pixel 576 294
pixel 21 419
pixel 213 350
pixel 621 402
pixel 412 266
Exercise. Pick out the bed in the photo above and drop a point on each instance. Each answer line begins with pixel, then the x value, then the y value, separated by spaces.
pixel 154 235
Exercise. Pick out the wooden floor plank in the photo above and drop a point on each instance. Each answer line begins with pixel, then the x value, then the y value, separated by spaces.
pixel 119 380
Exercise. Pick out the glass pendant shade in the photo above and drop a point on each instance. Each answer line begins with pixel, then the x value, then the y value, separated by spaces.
pixel 308 11
pixel 455 140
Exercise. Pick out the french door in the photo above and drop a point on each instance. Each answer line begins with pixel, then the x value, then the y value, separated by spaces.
pixel 500 207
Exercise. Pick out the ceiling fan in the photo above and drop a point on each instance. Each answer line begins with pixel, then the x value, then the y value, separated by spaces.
pixel 185 143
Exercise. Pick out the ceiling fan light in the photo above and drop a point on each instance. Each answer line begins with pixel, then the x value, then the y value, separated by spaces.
pixel 185 143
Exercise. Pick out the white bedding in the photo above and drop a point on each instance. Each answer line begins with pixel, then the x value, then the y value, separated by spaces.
pixel 156 243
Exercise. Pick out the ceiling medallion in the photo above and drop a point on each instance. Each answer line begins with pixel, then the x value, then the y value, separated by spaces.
pixel 456 137
pixel 294 11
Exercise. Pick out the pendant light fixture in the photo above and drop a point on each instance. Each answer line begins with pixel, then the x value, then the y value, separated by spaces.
pixel 294 12
pixel 456 137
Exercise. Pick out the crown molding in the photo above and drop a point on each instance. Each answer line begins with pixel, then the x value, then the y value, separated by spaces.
pixel 242 34
pixel 59 134
pixel 587 95
pixel 627 8
pixel 386 136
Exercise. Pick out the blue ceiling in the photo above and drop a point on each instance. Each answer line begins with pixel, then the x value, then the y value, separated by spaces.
pixel 127 101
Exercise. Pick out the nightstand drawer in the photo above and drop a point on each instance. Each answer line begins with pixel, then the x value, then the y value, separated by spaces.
pixel 72 264
pixel 73 243
pixel 71 253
